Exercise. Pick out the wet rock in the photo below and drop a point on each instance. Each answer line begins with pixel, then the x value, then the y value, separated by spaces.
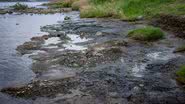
pixel 67 18
pixel 42 88
pixel 164 67
pixel 99 34
pixel 34 44
pixel 28 46
pixel 61 34
pixel 40 38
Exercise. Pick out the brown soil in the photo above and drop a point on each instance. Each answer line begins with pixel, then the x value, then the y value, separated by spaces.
pixel 175 24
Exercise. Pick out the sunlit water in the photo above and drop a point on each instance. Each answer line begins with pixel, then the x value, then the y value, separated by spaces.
pixel 15 30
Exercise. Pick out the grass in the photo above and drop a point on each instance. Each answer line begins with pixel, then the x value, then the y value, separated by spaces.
pixel 181 74
pixel 98 11
pixel 146 34
pixel 132 9
pixel 123 9
pixel 19 6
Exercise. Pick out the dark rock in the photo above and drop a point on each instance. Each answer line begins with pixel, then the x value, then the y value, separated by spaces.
pixel 67 18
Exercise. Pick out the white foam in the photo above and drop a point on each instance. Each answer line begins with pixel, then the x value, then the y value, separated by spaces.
pixel 76 38
pixel 53 40
pixel 161 55
pixel 138 69
pixel 74 47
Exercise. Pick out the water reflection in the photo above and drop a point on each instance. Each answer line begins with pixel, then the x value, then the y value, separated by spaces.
pixel 14 30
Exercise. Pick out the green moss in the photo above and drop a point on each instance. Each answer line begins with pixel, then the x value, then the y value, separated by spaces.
pixel 19 6
pixel 181 74
pixel 146 34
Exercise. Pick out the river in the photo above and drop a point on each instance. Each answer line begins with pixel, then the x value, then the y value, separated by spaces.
pixel 15 29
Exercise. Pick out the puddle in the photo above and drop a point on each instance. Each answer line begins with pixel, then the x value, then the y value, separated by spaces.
pixel 53 40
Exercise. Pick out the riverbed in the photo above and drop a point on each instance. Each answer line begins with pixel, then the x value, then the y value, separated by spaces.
pixel 76 61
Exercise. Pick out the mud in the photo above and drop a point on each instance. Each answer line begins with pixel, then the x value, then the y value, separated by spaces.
pixel 103 66
pixel 175 24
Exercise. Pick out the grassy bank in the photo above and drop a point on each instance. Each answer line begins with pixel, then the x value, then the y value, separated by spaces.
pixel 132 9
pixel 123 9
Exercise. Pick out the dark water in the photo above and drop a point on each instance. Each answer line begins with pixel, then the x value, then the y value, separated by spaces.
pixel 15 30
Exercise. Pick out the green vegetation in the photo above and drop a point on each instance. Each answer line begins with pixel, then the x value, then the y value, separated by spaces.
pixel 19 6
pixel 181 74
pixel 133 9
pixel 123 9
pixel 105 10
pixel 146 34
pixel 180 49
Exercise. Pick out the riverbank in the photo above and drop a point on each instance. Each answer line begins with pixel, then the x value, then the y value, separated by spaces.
pixel 104 61
pixel 160 13
pixel 123 9
pixel 93 59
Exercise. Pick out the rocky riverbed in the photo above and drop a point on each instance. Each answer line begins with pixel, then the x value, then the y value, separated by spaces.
pixel 92 61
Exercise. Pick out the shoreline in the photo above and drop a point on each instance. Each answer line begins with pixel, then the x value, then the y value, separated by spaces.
pixel 71 73
pixel 94 60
